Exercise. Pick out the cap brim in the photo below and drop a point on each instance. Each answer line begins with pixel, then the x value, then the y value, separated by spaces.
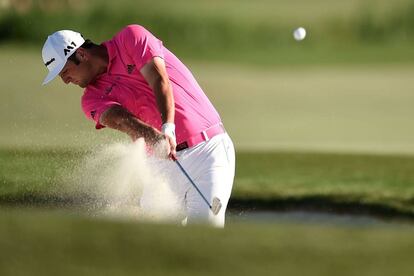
pixel 52 74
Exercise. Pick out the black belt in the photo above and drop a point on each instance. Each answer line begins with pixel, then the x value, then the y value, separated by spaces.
pixel 182 146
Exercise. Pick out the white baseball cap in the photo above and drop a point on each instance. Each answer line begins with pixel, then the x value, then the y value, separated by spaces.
pixel 58 47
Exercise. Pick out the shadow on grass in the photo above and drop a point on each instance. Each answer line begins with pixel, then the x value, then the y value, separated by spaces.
pixel 322 204
pixel 306 203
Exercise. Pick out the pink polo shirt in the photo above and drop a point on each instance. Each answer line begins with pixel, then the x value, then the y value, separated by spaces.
pixel 123 85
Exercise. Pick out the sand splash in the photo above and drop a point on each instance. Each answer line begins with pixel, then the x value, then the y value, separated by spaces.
pixel 113 177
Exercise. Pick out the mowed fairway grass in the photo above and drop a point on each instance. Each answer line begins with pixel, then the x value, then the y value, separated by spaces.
pixel 382 185
pixel 286 122
pixel 47 243
pixel 349 108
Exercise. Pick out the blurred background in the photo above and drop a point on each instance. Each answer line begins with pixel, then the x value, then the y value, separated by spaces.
pixel 303 116
pixel 346 87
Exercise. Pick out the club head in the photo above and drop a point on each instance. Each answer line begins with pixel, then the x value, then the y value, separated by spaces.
pixel 216 206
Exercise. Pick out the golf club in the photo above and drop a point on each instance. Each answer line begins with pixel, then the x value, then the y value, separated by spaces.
pixel 215 206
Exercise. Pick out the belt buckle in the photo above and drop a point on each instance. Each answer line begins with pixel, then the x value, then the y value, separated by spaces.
pixel 205 136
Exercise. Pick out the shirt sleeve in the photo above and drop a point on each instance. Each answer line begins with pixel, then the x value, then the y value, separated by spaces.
pixel 94 105
pixel 141 45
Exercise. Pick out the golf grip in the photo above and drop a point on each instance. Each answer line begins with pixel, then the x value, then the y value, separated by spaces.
pixel 192 182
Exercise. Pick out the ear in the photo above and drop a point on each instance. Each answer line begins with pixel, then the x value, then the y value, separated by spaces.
pixel 82 54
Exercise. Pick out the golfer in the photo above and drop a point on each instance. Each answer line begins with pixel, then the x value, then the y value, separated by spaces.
pixel 132 83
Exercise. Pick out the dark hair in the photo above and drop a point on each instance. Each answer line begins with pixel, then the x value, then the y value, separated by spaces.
pixel 88 44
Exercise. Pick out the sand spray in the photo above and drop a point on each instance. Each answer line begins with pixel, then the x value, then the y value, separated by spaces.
pixel 114 178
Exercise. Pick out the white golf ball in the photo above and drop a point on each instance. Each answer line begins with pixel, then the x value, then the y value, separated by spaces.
pixel 299 33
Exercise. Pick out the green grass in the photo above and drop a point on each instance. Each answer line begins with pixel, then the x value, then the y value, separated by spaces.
pixel 243 32
pixel 44 243
pixel 268 111
pixel 384 182
pixel 362 180
pixel 357 108
pixel 347 88
pixel 263 10
pixel 297 108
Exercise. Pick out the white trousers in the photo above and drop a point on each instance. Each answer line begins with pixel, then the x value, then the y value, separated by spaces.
pixel 211 166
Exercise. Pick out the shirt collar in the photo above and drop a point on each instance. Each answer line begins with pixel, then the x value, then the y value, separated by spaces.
pixel 112 53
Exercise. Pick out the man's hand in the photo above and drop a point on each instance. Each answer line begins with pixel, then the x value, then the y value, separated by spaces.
pixel 168 129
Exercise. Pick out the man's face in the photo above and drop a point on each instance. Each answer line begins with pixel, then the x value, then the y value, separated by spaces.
pixel 79 74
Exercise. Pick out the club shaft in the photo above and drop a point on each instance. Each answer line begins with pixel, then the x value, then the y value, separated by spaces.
pixel 192 182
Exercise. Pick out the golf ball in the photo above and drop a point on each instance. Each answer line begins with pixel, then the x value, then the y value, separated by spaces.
pixel 299 33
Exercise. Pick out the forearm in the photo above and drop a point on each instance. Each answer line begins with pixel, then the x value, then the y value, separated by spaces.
pixel 120 119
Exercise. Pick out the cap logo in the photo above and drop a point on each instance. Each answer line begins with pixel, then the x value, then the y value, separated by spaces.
pixel 69 48
pixel 49 62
